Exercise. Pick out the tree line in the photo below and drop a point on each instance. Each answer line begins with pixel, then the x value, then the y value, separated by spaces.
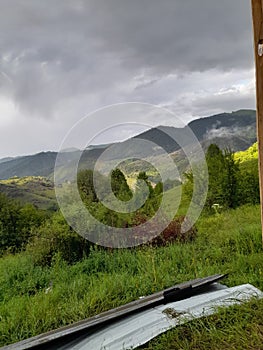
pixel 230 182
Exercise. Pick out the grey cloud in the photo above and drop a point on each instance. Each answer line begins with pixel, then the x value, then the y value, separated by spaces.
pixel 178 35
pixel 61 59
pixel 53 50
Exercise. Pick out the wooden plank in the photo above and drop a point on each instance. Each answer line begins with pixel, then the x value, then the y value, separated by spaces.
pixel 257 6
pixel 79 329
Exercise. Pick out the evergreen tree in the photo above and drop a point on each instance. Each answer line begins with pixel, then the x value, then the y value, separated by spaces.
pixel 119 185
pixel 143 176
pixel 216 173
pixel 158 189
pixel 85 185
pixel 230 180
pixel 223 181
pixel 223 174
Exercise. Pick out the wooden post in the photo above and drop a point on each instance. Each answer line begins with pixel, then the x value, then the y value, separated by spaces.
pixel 257 7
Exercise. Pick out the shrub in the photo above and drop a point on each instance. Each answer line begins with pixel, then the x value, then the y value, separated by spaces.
pixel 55 236
pixel 174 233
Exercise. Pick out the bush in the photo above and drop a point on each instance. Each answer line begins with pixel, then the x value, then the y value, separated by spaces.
pixel 55 236
pixel 173 233
pixel 16 224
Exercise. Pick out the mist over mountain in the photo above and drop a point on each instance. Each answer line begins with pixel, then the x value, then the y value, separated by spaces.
pixel 236 130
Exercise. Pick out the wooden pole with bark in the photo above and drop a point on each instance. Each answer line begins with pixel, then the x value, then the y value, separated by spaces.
pixel 257 14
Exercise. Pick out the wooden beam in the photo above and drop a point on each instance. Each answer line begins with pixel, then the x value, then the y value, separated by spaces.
pixel 257 14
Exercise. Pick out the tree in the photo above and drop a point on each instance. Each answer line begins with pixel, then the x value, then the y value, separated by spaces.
pixel 85 185
pixel 215 165
pixel 17 223
pixel 143 176
pixel 56 236
pixel 9 227
pixel 158 189
pixel 223 174
pixel 119 185
pixel 230 180
pixel 249 182
pixel 223 181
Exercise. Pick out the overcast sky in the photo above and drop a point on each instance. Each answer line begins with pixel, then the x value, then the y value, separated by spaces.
pixel 62 59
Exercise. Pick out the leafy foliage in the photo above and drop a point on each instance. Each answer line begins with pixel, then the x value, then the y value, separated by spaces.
pixel 231 183
pixel 85 185
pixel 119 185
pixel 174 233
pixel 16 223
pixel 249 154
pixel 122 191
pixel 56 237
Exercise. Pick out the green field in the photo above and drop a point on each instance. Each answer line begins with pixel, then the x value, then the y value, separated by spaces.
pixel 226 243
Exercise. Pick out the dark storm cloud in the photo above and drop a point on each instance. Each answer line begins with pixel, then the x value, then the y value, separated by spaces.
pixel 177 35
pixel 55 50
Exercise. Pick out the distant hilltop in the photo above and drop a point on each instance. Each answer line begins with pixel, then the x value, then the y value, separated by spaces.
pixel 236 130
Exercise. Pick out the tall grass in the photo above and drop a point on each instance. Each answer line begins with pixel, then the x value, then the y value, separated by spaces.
pixel 235 328
pixel 36 299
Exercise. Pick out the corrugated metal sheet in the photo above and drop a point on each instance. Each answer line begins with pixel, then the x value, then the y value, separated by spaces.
pixel 138 329
pixel 54 339
pixel 140 326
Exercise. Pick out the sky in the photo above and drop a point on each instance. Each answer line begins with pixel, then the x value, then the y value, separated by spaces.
pixel 61 60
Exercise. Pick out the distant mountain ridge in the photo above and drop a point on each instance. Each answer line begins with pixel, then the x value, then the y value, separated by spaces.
pixel 240 125
pixel 236 130
pixel 239 119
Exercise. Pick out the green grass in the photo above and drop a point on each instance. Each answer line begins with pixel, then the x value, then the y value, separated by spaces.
pixel 236 328
pixel 181 198
pixel 227 243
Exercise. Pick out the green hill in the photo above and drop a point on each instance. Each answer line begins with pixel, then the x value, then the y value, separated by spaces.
pixel 36 190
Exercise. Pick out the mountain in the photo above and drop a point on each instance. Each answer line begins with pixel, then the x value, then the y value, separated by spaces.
pixel 41 164
pixel 236 130
pixel 226 124
pixel 6 159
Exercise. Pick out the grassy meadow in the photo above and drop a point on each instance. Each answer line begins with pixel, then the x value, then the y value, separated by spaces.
pixel 35 298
